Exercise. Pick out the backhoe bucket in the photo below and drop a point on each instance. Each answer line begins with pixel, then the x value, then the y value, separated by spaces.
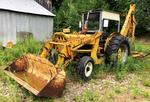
pixel 37 75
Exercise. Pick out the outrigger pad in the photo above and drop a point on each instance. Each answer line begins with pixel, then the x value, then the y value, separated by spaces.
pixel 38 75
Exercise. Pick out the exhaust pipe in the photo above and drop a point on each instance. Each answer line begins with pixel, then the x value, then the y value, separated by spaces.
pixel 132 1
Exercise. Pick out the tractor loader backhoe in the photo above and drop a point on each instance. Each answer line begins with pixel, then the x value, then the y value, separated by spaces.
pixel 100 41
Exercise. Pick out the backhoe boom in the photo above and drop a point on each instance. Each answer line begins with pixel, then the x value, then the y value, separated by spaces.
pixel 128 29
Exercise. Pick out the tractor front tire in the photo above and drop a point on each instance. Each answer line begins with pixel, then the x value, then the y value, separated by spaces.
pixel 85 67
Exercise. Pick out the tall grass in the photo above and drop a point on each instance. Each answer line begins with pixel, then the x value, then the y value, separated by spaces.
pixel 17 94
pixel 133 65
pixel 29 45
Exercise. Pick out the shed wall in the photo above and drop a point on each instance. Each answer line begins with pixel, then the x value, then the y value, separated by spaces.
pixel 11 23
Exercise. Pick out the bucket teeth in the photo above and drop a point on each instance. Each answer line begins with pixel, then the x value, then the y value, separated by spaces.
pixel 38 75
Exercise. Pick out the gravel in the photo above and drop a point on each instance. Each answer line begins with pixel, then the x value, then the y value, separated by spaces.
pixel 76 89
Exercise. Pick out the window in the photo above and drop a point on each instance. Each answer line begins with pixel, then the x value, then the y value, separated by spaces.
pixel 93 21
pixel 21 36
pixel 111 27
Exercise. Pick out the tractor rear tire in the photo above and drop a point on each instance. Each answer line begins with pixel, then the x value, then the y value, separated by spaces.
pixel 118 44
pixel 85 67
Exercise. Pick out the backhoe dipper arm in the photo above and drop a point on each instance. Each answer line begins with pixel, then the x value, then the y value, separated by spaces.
pixel 128 29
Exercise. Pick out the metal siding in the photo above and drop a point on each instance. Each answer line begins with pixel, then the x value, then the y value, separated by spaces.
pixel 11 23
pixel 7 28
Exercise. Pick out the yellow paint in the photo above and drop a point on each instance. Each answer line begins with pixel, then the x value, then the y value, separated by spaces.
pixel 10 44
pixel 128 29
pixel 68 45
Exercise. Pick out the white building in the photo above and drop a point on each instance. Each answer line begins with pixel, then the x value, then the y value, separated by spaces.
pixel 18 17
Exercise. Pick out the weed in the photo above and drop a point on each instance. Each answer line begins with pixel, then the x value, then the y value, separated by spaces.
pixel 100 71
pixel 89 96
pixel 5 99
pixel 146 83
pixel 20 49
pixel 146 94
pixel 72 72
pixel 132 66
pixel 111 94
pixel 135 91
pixel 142 47
pixel 118 90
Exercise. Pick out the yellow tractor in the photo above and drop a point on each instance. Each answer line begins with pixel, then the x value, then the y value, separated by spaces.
pixel 100 41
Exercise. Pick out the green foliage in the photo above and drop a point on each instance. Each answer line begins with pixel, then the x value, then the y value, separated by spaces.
pixel 20 49
pixel 142 47
pixel 69 13
pixel 133 65
pixel 146 83
pixel 136 91
pixel 146 94
pixel 100 71
pixel 121 71
pixel 6 57
pixel 121 6
pixel 5 99
pixel 145 77
pixel 143 13
pixel 88 96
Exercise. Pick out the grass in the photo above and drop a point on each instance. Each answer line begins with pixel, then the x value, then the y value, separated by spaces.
pixel 13 88
pixel 132 66
pixel 138 92
pixel 146 82
pixel 135 65
pixel 88 96
pixel 142 47
pixel 21 48
pixel 96 96
pixel 138 67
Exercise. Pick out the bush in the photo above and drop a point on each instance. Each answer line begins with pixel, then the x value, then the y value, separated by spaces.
pixel 21 48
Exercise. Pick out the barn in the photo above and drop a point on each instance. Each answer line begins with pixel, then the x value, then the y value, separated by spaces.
pixel 24 17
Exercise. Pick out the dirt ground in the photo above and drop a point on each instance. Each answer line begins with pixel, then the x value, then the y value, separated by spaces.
pixel 109 89
pixel 106 89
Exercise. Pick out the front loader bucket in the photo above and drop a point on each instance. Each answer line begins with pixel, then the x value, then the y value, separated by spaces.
pixel 37 75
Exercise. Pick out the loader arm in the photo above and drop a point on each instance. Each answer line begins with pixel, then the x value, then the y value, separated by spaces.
pixel 68 48
pixel 128 29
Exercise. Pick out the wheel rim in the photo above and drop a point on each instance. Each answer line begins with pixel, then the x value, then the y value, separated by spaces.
pixel 88 69
pixel 123 53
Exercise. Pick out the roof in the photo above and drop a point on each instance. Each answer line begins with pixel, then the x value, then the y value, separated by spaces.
pixel 107 14
pixel 24 6
pixel 110 15
pixel 100 10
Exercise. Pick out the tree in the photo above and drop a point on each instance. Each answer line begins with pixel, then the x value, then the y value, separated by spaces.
pixel 143 14
pixel 69 13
